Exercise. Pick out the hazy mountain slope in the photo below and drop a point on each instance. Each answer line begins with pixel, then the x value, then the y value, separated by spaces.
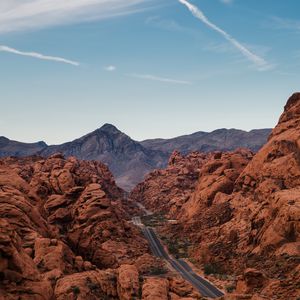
pixel 14 148
pixel 127 159
pixel 130 160
pixel 221 139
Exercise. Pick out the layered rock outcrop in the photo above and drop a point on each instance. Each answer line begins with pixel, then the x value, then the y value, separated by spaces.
pixel 66 233
pixel 169 189
pixel 241 214
pixel 62 221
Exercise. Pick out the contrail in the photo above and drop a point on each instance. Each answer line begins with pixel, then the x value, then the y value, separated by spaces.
pixel 39 56
pixel 259 61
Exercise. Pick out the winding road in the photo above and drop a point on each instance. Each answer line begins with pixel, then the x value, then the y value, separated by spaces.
pixel 205 288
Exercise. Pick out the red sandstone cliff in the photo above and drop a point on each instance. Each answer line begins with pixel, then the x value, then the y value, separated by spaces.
pixel 65 233
pixel 241 214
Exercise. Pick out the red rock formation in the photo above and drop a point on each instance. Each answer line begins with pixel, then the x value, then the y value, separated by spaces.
pixel 65 233
pixel 59 217
pixel 167 190
pixel 19 274
pixel 241 214
pixel 128 282
pixel 90 285
pixel 155 289
pixel 168 288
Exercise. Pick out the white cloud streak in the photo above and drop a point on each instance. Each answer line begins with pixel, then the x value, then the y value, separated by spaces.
pixel 20 15
pixel 227 1
pixel 259 62
pixel 280 23
pixel 38 56
pixel 160 79
pixel 110 68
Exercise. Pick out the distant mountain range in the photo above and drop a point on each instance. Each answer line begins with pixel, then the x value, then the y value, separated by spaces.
pixel 220 139
pixel 131 160
pixel 13 148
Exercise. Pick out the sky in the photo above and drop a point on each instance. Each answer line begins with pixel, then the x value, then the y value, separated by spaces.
pixel 152 68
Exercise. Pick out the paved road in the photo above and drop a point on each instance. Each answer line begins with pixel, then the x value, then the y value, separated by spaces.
pixel 203 286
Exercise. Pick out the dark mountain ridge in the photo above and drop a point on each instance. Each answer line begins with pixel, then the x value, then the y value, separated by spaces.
pixel 130 160
pixel 217 140
pixel 127 159
pixel 14 148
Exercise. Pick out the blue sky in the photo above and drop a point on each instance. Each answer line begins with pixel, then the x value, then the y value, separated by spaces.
pixel 152 68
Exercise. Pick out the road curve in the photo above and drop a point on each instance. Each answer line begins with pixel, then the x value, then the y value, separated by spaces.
pixel 204 287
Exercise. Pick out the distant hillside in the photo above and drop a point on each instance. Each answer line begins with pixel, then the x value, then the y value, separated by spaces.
pixel 221 139
pixel 130 160
pixel 14 148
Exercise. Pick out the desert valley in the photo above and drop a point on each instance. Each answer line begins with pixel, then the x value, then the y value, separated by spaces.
pixel 149 150
pixel 67 231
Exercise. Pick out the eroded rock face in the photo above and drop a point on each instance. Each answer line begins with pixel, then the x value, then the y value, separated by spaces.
pixel 19 274
pixel 65 233
pixel 192 181
pixel 61 221
pixel 128 282
pixel 241 214
pixel 155 289
pixel 169 189
pixel 90 285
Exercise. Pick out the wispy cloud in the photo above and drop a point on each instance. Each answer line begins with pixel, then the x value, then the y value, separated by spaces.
pixel 158 78
pixel 110 68
pixel 227 1
pixel 173 26
pixel 20 15
pixel 259 62
pixel 223 47
pixel 38 56
pixel 282 23
pixel 166 24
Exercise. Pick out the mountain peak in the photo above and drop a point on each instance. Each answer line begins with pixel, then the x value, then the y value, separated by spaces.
pixel 291 109
pixel 292 101
pixel 109 128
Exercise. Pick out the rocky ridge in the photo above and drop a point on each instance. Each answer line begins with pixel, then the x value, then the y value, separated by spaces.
pixel 130 160
pixel 241 214
pixel 65 233
pixel 218 140
pixel 127 159
pixel 14 148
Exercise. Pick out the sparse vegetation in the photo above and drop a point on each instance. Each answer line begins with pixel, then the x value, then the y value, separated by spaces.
pixel 156 271
pixel 154 219
pixel 230 288
pixel 212 268
pixel 75 290
pixel 178 248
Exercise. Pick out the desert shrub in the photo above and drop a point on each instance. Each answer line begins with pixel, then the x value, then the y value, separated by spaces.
pixel 153 220
pixel 75 290
pixel 230 288
pixel 155 271
pixel 212 268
